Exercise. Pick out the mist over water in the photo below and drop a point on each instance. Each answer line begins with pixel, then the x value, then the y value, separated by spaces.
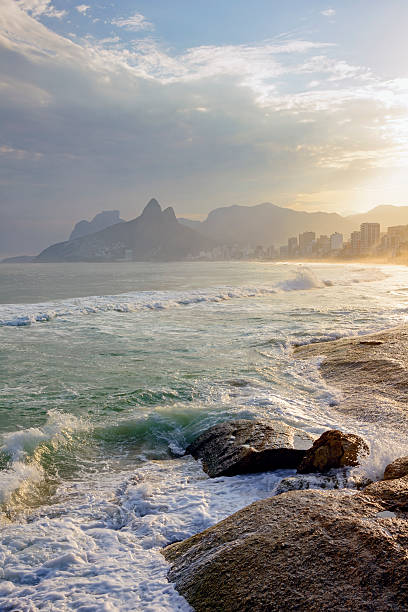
pixel 107 372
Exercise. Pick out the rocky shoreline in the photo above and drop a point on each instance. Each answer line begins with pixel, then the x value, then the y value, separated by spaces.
pixel 371 372
pixel 309 549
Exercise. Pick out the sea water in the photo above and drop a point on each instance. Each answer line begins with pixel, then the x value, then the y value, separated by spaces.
pixel 108 371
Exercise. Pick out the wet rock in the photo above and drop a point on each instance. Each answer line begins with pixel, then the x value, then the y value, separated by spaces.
pixel 338 479
pixel 243 446
pixel 302 550
pixel 334 449
pixel 238 382
pixel 396 469
pixel 392 494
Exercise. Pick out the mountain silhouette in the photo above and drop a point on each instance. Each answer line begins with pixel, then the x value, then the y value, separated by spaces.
pixel 155 235
pixel 102 220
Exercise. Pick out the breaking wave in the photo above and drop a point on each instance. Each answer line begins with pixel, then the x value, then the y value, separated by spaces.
pixel 302 278
pixel 22 452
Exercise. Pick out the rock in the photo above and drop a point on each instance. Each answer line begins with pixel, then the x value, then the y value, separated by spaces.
pixel 302 550
pixel 393 494
pixel 396 469
pixel 334 449
pixel 243 446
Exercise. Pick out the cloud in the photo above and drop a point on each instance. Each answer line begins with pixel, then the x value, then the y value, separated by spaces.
pixel 39 8
pixel 92 122
pixel 135 23
pixel 19 153
pixel 82 8
pixel 328 12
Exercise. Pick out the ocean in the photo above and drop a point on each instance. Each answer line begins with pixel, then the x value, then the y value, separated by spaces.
pixel 108 371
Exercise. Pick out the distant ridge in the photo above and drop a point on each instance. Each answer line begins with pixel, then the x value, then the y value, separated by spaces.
pixel 386 214
pixel 155 235
pixel 102 220
pixel 267 224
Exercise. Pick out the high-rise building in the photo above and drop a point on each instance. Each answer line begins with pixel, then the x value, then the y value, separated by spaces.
pixel 306 241
pixel 370 236
pixel 323 245
pixel 292 246
pixel 355 242
pixel 336 241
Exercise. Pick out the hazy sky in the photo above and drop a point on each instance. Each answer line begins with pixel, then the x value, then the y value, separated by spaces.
pixel 200 103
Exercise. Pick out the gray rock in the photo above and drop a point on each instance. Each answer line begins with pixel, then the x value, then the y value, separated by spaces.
pixel 334 449
pixel 243 446
pixel 396 469
pixel 302 550
pixel 392 494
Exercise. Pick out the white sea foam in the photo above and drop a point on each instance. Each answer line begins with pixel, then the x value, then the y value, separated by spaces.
pixel 302 278
pixel 22 448
pixel 104 553
pixel 27 314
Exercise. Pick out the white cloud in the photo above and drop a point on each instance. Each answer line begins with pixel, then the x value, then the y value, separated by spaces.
pixel 19 153
pixel 38 8
pixel 328 12
pixel 227 123
pixel 135 23
pixel 82 8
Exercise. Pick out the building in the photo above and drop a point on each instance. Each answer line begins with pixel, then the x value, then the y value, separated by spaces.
pixel 292 246
pixel 271 252
pixel 306 242
pixel 355 242
pixel 323 245
pixel 336 242
pixel 283 251
pixel 370 236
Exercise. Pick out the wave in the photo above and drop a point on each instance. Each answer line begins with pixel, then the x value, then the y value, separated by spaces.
pixel 23 314
pixel 22 452
pixel 302 278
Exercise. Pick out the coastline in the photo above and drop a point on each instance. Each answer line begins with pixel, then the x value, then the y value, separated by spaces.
pixel 317 549
pixel 370 371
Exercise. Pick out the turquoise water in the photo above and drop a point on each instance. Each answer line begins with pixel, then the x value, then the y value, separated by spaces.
pixel 108 371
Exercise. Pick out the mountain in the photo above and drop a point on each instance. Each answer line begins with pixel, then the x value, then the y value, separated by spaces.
pixel 192 223
pixel 386 215
pixel 154 236
pixel 102 220
pixel 267 224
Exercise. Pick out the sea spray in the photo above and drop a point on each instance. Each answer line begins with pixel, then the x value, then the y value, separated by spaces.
pixel 22 452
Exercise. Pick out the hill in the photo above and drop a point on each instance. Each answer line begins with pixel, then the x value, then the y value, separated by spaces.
pixel 155 235
pixel 101 221
pixel 267 224
pixel 386 215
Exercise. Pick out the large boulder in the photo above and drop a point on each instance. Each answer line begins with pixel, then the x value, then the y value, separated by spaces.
pixel 243 446
pixel 302 550
pixel 393 494
pixel 396 469
pixel 334 449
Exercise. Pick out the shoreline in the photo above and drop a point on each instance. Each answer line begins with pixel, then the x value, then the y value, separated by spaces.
pixel 370 371
pixel 284 552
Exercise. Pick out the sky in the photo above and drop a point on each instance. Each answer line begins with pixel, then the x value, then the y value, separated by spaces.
pixel 201 104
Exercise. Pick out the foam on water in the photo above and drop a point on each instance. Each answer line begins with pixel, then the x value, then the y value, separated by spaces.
pixel 103 553
pixel 21 451
pixel 94 542
pixel 302 278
